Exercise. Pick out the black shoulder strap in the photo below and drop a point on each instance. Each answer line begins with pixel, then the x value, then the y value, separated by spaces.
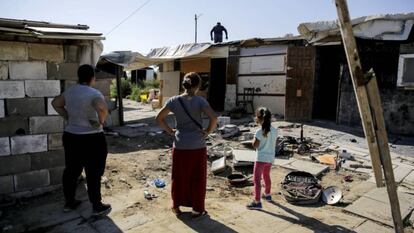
pixel 188 114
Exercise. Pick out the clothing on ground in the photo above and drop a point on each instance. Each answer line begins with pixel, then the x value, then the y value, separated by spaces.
pixel 266 150
pixel 189 178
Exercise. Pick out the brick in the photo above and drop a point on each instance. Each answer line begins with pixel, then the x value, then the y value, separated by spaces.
pixel 31 180
pixel 46 124
pixel 13 51
pixel 55 141
pixel 71 53
pixel 42 88
pixel 14 164
pixel 50 109
pixel 11 89
pixel 48 159
pixel 2 113
pixel 23 70
pixel 26 107
pixel 28 144
pixel 13 125
pixel 55 175
pixel 4 70
pixel 6 184
pixel 46 52
pixel 68 71
pixel 103 86
pixel 4 146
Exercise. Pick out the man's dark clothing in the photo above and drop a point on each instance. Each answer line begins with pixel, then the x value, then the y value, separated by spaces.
pixel 87 151
pixel 218 33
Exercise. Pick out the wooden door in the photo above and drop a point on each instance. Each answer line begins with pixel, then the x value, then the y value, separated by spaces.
pixel 299 82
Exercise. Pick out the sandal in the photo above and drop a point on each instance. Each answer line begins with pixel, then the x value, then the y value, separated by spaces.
pixel 176 211
pixel 195 214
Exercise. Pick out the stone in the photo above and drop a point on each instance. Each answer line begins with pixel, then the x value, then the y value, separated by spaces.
pixel 71 53
pixel 30 180
pixel 24 70
pixel 46 52
pixel 14 164
pixel 401 171
pixel 55 175
pixel 26 107
pixel 371 227
pixel 28 144
pixel 279 161
pixel 46 124
pixel 13 51
pixel 4 146
pixel 6 184
pixel 11 89
pixel 13 125
pixel 50 109
pixel 4 70
pixel 42 88
pixel 55 141
pixel 68 71
pixel 313 168
pixel 2 112
pixel 409 180
pixel 48 159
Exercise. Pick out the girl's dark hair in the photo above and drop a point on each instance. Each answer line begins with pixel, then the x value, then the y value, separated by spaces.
pixel 191 80
pixel 264 115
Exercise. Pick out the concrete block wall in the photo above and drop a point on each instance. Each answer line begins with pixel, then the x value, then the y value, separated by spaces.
pixel 230 101
pixel 31 151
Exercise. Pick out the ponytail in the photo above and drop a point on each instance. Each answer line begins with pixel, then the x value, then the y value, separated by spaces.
pixel 264 115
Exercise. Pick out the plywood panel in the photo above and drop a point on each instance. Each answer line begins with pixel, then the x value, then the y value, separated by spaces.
pixel 201 65
pixel 262 64
pixel 263 50
pixel 273 84
pixel 170 83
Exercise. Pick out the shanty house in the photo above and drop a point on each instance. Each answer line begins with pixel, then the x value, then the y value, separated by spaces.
pixel 38 60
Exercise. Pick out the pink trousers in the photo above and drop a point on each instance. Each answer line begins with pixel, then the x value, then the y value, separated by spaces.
pixel 261 169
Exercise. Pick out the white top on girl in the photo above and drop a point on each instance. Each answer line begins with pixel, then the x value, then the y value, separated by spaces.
pixel 267 148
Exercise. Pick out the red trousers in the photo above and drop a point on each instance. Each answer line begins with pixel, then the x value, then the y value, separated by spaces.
pixel 189 178
pixel 261 169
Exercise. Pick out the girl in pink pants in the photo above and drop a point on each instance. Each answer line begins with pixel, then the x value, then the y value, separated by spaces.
pixel 265 143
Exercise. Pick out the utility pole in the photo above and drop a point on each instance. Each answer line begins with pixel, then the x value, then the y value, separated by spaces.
pixel 370 109
pixel 196 17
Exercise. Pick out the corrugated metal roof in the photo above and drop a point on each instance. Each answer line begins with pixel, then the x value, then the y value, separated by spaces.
pixel 42 29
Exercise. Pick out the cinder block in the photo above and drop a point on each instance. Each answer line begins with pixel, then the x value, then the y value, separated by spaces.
pixel 55 141
pixel 4 70
pixel 13 51
pixel 46 52
pixel 13 125
pixel 4 146
pixel 55 175
pixel 103 86
pixel 46 124
pixel 6 184
pixel 52 70
pixel 28 144
pixel 26 107
pixel 14 164
pixel 2 114
pixel 50 109
pixel 68 71
pixel 48 159
pixel 42 88
pixel 71 53
pixel 24 70
pixel 11 89
pixel 69 84
pixel 31 180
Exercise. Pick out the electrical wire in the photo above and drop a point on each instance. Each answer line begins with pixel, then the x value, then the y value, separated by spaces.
pixel 129 16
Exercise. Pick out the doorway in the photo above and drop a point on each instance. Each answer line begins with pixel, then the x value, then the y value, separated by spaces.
pixel 217 83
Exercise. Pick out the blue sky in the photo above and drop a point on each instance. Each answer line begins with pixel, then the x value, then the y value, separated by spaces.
pixel 171 22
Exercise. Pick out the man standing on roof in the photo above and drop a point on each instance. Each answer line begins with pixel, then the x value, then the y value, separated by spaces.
pixel 218 33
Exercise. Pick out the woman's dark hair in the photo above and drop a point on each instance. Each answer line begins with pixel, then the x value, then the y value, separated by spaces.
pixel 191 80
pixel 264 115
pixel 85 73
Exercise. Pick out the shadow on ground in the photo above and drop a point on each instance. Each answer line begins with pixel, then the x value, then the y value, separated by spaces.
pixel 205 224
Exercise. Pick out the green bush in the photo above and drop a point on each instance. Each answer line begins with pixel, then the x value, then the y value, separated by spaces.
pixel 126 88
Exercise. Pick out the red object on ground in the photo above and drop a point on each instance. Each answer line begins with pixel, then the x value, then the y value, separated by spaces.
pixel 189 178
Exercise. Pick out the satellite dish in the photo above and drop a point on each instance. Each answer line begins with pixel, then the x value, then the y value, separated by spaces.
pixel 331 195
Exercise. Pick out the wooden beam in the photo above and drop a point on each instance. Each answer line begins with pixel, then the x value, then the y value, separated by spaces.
pixel 119 94
pixel 370 109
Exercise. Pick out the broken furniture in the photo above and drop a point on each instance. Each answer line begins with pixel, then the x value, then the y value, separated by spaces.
pixel 247 99
pixel 301 188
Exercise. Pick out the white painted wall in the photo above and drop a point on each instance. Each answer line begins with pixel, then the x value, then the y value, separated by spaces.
pixel 171 84
pixel 272 84
pixel 262 64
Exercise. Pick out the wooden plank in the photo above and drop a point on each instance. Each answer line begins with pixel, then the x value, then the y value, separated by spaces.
pixel 369 104
pixel 119 93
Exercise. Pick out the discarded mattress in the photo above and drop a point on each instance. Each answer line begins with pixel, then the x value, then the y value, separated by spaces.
pixel 301 188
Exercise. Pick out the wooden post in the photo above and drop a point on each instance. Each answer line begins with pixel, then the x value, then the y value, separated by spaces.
pixel 119 94
pixel 370 109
